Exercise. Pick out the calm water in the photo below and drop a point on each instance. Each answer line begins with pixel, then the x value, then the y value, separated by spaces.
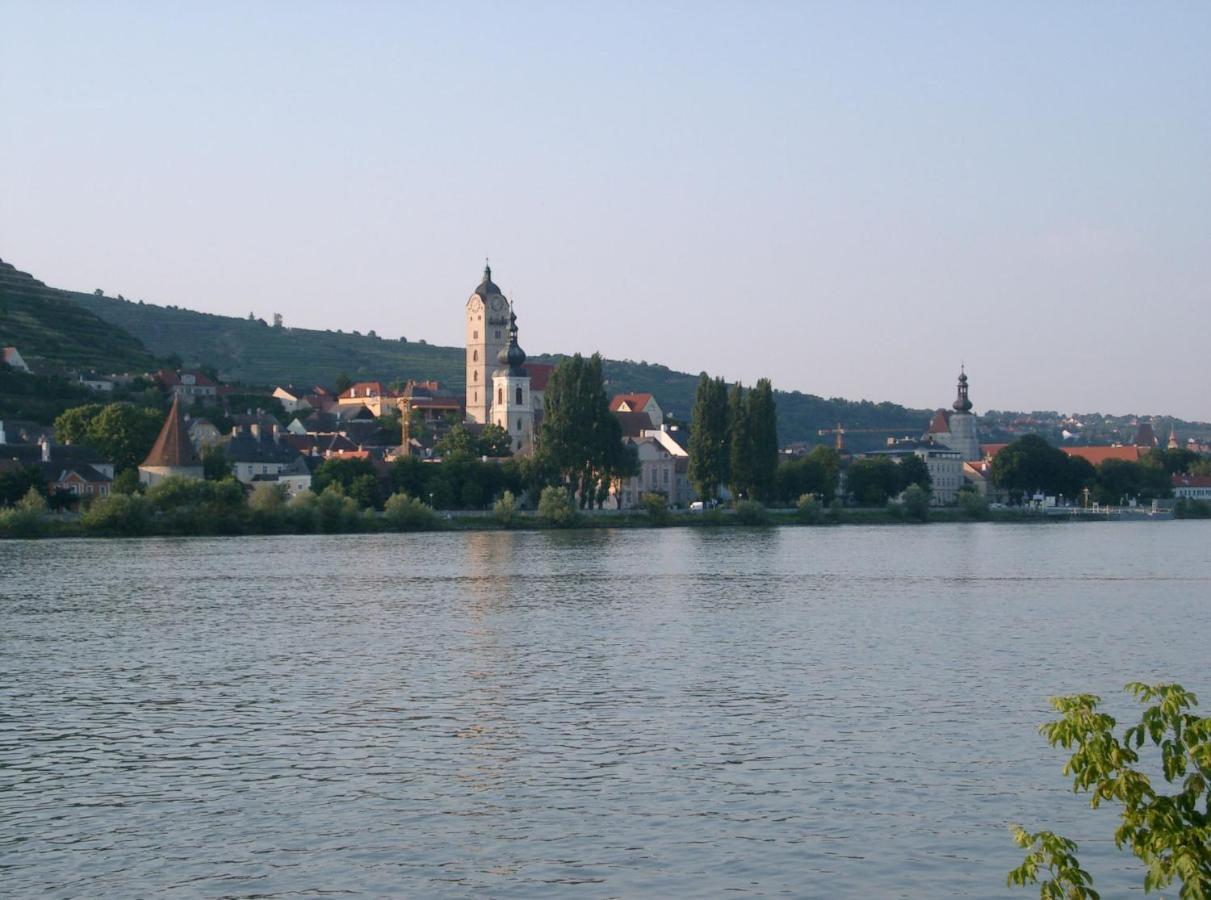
pixel 811 712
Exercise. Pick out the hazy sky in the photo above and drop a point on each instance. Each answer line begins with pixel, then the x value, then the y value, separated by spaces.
pixel 850 198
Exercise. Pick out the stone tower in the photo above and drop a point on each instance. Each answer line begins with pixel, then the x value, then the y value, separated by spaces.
pixel 511 406
pixel 964 435
pixel 487 326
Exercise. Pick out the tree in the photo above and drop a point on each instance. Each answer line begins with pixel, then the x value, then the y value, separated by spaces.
pixel 356 479
pixel 763 439
pixel 580 440
pixel 916 502
pixel 343 383
pixel 1031 464
pixel 1118 479
pixel 17 483
pixel 215 466
pixel 1169 833
pixel 121 432
pixel 873 480
pixel 914 470
pixel 1172 461
pixel 708 447
pixel 555 507
pixel 740 444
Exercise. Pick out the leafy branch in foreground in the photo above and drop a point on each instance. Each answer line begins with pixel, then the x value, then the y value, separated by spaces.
pixel 1169 833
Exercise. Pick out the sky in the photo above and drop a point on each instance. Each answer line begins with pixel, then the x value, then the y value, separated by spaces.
pixel 851 199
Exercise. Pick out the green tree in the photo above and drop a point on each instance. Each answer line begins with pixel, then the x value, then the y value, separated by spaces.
pixel 1168 832
pixel 356 478
pixel 343 383
pixel 914 470
pixel 763 440
pixel 494 442
pixel 555 507
pixel 1120 479
pixel 708 447
pixel 1172 461
pixel 872 481
pixel 121 432
pixel 656 507
pixel 16 483
pixel 580 440
pixel 406 513
pixel 215 466
pixel 505 509
pixel 916 502
pixel 740 443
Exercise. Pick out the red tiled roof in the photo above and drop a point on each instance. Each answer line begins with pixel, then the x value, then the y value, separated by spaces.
pixel 540 374
pixel 362 389
pixel 940 423
pixel 635 401
pixel 1099 455
pixel 1192 481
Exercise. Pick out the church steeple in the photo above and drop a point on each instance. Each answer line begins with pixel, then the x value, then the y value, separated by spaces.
pixel 962 402
pixel 512 355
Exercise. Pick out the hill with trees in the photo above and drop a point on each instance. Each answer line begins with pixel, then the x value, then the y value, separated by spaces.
pixel 253 351
pixel 55 334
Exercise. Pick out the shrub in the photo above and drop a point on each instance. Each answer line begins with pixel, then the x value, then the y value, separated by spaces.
pixel 336 513
pixel 809 509
pixel 24 520
pixel 505 509
pixel 555 507
pixel 973 505
pixel 1192 509
pixel 121 514
pixel 836 510
pixel 916 503
pixel 302 512
pixel 267 507
pixel 751 512
pixel 406 513
pixel 656 508
pixel 126 482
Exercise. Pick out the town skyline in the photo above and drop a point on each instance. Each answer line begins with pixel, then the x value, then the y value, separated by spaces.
pixel 829 197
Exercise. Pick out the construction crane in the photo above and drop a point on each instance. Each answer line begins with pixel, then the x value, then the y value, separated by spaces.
pixel 840 431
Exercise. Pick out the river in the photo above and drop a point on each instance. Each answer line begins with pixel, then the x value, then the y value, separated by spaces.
pixel 839 712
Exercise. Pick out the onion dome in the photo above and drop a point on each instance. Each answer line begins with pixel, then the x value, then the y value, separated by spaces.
pixel 512 355
pixel 962 402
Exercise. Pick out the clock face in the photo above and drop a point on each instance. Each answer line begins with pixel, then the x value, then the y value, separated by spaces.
pixel 498 304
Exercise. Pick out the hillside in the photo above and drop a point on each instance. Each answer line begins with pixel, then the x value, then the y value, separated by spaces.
pixel 53 333
pixel 256 353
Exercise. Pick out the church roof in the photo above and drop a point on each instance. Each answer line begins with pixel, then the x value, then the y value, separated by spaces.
pixel 940 423
pixel 173 447
pixel 487 288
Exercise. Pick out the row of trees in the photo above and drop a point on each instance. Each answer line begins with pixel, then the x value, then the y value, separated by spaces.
pixel 1031 464
pixel 734 440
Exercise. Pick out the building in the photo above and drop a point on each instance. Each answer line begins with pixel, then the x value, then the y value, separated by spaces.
pixel 945 465
pixel 487 337
pixel 173 453
pixel 635 403
pixel 11 358
pixel 373 395
pixel 664 467
pixel 187 386
pixel 99 383
pixel 512 408
pixel 1192 487
pixel 259 453
pixel 958 427
pixel 292 400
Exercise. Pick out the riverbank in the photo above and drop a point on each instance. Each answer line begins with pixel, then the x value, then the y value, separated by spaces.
pixel 209 522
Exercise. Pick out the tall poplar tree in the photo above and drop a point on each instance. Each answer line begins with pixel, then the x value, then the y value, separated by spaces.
pixel 763 440
pixel 708 446
pixel 740 442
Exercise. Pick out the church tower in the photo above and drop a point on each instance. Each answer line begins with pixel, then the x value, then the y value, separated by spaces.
pixel 963 431
pixel 511 406
pixel 487 322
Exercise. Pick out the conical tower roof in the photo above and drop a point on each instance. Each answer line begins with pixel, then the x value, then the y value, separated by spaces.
pixel 173 448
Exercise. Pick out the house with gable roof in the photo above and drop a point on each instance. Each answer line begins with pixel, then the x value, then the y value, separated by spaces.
pixel 638 403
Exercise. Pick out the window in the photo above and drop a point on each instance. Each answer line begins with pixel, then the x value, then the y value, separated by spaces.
pixel 519 395
pixel 500 395
pixel 498 334
pixel 475 377
pixel 476 397
pixel 474 356
pixel 519 425
pixel 475 335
